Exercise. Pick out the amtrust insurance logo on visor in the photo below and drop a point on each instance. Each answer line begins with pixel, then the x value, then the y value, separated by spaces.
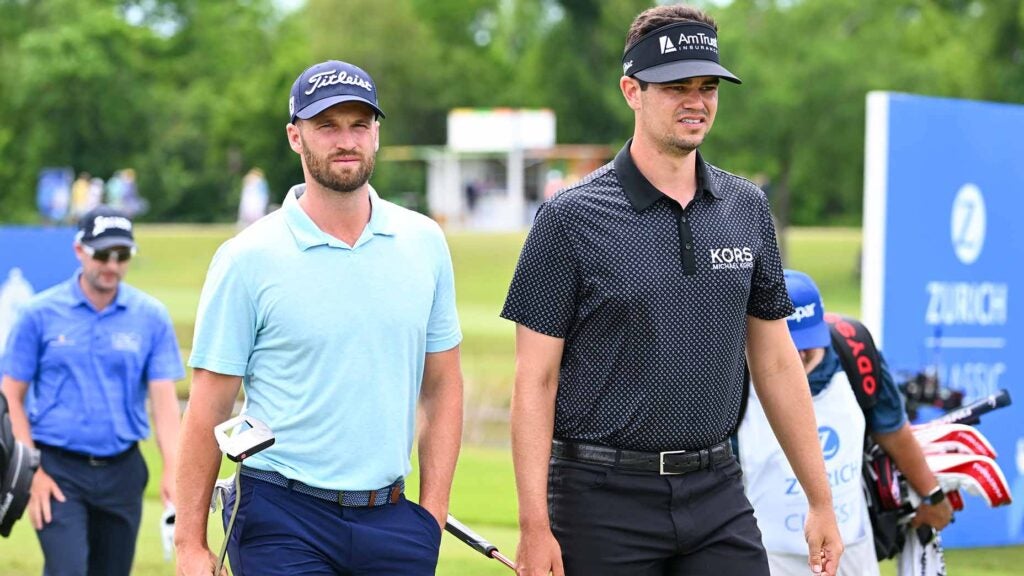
pixel 681 50
pixel 684 41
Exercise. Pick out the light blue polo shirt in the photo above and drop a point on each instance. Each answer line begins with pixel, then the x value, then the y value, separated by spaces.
pixel 330 339
pixel 88 371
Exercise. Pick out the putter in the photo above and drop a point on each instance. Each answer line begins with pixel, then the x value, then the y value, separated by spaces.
pixel 239 438
pixel 476 541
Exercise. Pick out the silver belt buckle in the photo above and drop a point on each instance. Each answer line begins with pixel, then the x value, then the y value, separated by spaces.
pixel 661 462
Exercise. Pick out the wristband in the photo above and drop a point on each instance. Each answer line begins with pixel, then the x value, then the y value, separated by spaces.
pixel 935 497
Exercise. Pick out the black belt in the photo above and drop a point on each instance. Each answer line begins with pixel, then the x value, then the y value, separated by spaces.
pixel 88 458
pixel 670 462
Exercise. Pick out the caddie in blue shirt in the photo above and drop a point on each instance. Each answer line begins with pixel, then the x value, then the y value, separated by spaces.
pixel 336 314
pixel 79 363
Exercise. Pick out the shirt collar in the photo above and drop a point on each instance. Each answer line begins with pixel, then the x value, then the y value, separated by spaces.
pixel 641 193
pixel 307 234
pixel 80 299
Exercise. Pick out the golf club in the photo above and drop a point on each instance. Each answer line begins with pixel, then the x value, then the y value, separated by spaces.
pixel 971 414
pixel 475 541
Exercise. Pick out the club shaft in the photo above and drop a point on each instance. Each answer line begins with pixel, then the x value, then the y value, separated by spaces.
pixel 501 558
pixel 974 410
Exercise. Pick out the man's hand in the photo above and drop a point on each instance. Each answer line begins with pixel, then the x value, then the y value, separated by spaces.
pixel 538 554
pixel 938 516
pixel 824 545
pixel 197 561
pixel 43 488
pixel 440 515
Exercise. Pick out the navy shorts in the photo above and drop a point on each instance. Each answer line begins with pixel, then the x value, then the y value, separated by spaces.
pixel 616 522
pixel 280 532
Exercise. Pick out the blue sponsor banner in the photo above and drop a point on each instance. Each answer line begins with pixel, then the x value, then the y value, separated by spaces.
pixel 31 260
pixel 944 267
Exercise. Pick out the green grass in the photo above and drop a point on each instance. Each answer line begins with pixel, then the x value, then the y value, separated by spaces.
pixel 172 263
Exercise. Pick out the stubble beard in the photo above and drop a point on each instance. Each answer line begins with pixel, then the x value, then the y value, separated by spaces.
pixel 675 145
pixel 344 183
pixel 94 278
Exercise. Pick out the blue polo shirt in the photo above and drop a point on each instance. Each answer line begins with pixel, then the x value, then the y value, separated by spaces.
pixel 330 339
pixel 88 370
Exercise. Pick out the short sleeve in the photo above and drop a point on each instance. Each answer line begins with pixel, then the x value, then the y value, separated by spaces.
pixel 543 294
pixel 165 358
pixel 769 299
pixel 889 413
pixel 23 350
pixel 226 320
pixel 443 332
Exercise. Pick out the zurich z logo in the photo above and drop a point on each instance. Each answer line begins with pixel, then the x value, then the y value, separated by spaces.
pixel 829 439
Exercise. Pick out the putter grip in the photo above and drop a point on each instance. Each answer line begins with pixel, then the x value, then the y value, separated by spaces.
pixel 474 540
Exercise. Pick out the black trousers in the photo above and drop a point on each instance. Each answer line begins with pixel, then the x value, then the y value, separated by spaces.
pixel 93 532
pixel 617 522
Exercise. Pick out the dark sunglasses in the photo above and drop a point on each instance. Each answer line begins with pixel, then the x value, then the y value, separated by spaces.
pixel 119 253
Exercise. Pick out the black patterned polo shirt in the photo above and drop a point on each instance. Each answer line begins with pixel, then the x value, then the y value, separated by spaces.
pixel 652 300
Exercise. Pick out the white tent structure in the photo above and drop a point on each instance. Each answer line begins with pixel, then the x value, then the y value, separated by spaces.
pixel 498 165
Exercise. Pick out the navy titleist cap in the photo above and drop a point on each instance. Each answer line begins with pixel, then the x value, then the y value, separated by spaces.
pixel 104 227
pixel 323 85
pixel 675 52
pixel 807 325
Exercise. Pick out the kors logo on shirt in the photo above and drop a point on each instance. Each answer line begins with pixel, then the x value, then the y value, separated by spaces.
pixel 732 258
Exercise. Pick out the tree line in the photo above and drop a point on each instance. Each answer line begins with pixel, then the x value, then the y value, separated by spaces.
pixel 192 93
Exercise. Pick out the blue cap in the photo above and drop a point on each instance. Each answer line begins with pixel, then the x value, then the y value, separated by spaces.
pixel 806 325
pixel 328 83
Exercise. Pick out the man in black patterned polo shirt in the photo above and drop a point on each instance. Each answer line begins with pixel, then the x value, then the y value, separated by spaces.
pixel 636 296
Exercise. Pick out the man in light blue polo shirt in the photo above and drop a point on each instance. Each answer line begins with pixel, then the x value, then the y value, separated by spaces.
pixel 337 315
pixel 80 361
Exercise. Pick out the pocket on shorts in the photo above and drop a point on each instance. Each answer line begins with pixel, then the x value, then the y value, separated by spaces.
pixel 427 518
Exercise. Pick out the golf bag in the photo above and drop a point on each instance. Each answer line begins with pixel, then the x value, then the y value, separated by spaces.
pixel 863 366
pixel 17 466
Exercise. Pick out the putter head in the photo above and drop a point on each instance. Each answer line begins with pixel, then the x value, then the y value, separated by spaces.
pixel 242 436
pixel 167 531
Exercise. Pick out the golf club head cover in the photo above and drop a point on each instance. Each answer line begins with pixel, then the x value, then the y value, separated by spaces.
pixel 956 438
pixel 978 475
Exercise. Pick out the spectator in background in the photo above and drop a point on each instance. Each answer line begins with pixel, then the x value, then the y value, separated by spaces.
pixel 115 192
pixel 80 196
pixel 84 354
pixel 123 194
pixel 252 204
pixel 53 194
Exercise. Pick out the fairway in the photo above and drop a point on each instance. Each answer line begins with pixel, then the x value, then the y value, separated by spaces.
pixel 171 265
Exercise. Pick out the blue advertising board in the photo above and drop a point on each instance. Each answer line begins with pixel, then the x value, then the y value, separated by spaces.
pixel 944 266
pixel 31 260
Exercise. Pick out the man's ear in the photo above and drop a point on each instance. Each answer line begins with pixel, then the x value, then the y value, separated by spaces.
pixel 630 88
pixel 376 136
pixel 294 139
